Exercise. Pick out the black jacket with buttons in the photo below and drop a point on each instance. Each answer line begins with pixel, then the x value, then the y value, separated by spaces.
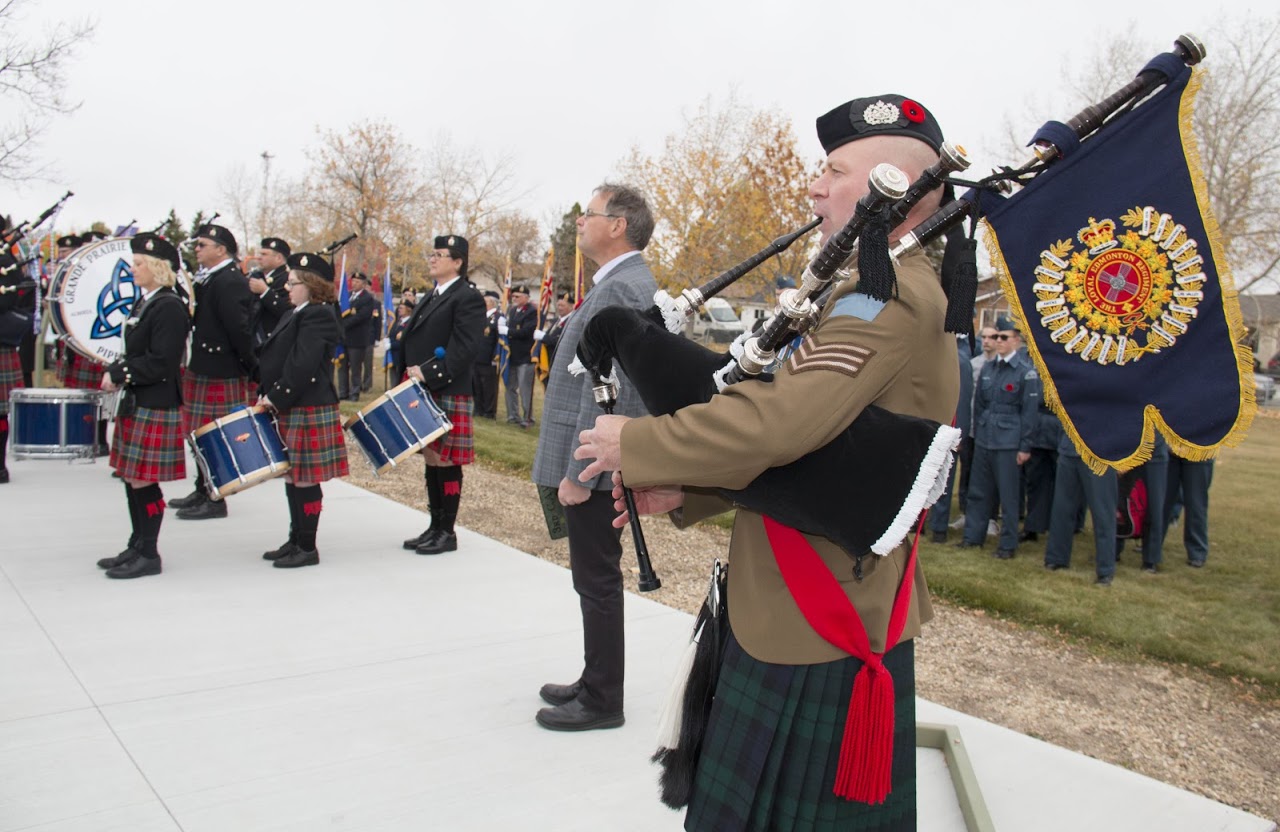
pixel 272 304
pixel 296 360
pixel 362 322
pixel 155 336
pixel 222 336
pixel 453 320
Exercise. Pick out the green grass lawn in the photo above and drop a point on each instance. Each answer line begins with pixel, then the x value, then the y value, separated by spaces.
pixel 1224 618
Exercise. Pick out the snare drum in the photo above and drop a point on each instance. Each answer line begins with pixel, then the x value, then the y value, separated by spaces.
pixel 54 423
pixel 238 451
pixel 398 424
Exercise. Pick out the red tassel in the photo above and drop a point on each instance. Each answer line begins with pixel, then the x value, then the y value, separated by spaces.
pixel 155 508
pixel 865 773
pixel 311 508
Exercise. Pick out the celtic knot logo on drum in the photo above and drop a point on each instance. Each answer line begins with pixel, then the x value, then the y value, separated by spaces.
pixel 113 304
pixel 1120 298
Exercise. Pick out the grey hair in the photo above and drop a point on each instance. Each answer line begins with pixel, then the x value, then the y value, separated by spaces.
pixel 630 204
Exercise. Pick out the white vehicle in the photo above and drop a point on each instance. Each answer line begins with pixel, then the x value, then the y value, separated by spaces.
pixel 715 322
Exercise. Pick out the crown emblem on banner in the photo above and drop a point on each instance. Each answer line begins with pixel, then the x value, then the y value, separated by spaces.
pixel 1098 233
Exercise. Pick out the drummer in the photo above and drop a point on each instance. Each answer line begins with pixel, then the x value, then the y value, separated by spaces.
pixel 10 363
pixel 295 363
pixel 148 448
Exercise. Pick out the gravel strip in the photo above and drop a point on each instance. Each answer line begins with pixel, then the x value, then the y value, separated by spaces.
pixel 1174 724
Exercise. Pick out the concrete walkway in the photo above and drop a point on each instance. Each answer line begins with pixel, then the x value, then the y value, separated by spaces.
pixel 378 691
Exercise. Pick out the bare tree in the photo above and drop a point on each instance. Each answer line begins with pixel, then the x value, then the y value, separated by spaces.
pixel 513 238
pixel 32 83
pixel 466 193
pixel 237 198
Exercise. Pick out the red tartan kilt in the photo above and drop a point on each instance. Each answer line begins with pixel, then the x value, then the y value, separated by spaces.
pixel 458 445
pixel 314 441
pixel 148 446
pixel 10 376
pixel 79 373
pixel 205 399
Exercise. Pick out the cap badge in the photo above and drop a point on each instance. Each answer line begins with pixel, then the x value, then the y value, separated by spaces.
pixel 303 261
pixel 451 243
pixel 151 244
pixel 880 113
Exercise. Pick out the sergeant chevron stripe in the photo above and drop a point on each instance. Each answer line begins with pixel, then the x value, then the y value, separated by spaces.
pixel 812 354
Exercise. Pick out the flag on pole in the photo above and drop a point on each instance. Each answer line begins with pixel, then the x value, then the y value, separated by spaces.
pixel 1113 263
pixel 504 351
pixel 546 297
pixel 344 304
pixel 579 277
pixel 388 311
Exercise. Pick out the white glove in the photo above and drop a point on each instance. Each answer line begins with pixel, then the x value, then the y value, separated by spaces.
pixel 502 327
pixel 538 335
pixel 386 343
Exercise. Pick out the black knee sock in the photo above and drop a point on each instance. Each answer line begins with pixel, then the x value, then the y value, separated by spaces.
pixel 435 496
pixel 130 495
pixel 150 500
pixel 200 484
pixel 4 439
pixel 102 432
pixel 451 495
pixel 291 497
pixel 310 502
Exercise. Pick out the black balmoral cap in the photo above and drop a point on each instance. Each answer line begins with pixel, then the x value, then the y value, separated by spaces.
pixel 277 245
pixel 219 235
pixel 879 115
pixel 313 263
pixel 153 245
pixel 457 245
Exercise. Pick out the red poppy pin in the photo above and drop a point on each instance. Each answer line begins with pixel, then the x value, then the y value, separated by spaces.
pixel 913 111
pixel 1008 388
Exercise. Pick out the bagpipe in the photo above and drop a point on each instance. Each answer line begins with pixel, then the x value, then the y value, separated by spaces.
pixel 814 493
pixel 670 372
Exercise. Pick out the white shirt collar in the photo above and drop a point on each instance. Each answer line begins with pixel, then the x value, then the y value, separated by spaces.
pixel 219 266
pixel 611 265
pixel 299 306
pixel 444 287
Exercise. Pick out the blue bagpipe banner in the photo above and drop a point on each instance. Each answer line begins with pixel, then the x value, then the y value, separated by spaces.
pixel 1113 262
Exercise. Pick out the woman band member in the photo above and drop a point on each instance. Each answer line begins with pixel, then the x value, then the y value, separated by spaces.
pixel 148 447
pixel 296 364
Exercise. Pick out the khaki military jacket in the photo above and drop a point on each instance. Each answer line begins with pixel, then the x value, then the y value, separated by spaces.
pixel 901 360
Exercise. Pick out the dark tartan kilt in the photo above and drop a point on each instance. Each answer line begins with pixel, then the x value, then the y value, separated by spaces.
pixel 772 748
pixel 148 446
pixel 10 376
pixel 79 373
pixel 458 446
pixel 205 398
pixel 314 441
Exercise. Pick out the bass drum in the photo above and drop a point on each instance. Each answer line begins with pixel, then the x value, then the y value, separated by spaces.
pixel 91 295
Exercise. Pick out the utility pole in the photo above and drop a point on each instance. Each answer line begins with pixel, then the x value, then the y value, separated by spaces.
pixel 266 182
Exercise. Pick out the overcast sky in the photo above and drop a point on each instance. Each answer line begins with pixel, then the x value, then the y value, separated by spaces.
pixel 176 94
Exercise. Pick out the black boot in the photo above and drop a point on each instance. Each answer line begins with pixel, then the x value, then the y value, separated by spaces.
pixel 310 502
pixel 290 495
pixel 150 507
pixel 435 499
pixel 446 540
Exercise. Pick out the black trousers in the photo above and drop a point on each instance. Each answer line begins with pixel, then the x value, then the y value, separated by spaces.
pixel 595 555
pixel 484 385
pixel 351 372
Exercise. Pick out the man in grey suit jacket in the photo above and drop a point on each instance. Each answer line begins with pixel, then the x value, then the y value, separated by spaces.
pixel 612 231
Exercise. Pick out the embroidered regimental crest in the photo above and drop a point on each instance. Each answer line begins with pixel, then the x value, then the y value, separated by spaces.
pixel 880 113
pixel 1121 298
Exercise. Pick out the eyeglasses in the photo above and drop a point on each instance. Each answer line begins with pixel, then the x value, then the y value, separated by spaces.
pixel 435 255
pixel 589 213
pixel 1002 336
pixel 202 245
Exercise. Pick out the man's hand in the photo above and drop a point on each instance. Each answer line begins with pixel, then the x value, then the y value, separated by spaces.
pixel 603 443
pixel 656 499
pixel 538 335
pixel 415 372
pixel 107 384
pixel 258 286
pixel 1023 456
pixel 572 494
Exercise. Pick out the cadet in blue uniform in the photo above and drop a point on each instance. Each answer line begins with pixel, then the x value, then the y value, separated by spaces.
pixel 1073 484
pixel 1039 472
pixel 1004 414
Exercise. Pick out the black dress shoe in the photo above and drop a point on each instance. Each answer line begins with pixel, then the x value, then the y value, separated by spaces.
pixel 276 554
pixel 1195 564
pixel 554 694
pixel 1003 554
pixel 1055 567
pixel 128 554
pixel 414 542
pixel 1028 537
pixel 573 716
pixel 298 557
pixel 205 510
pixel 186 502
pixel 4 475
pixel 1149 568
pixel 964 544
pixel 136 568
pixel 439 543
pixel 938 537
pixel 1102 580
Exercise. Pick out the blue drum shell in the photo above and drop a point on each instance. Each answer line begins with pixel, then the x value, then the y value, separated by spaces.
pixel 239 441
